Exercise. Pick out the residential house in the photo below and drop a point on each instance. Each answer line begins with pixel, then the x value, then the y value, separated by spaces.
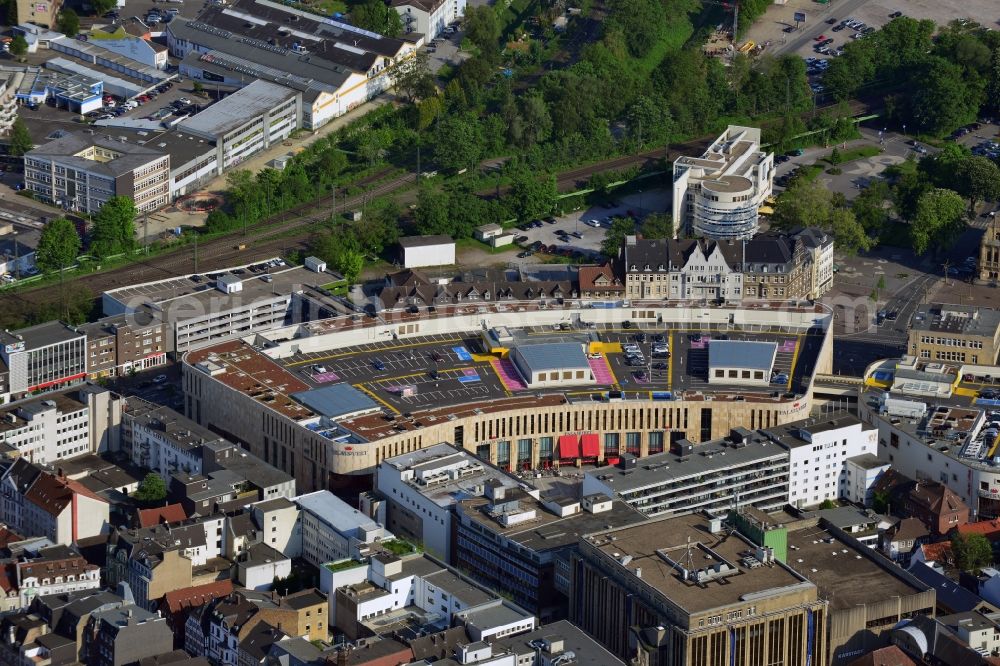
pixel 38 502
pixel 936 505
pixel 177 604
pixel 600 281
pixel 56 570
pixel 121 636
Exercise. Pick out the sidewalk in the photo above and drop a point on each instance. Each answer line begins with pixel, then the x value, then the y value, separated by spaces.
pixel 172 217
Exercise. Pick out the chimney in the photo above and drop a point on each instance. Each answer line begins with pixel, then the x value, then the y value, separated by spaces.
pixel 342 656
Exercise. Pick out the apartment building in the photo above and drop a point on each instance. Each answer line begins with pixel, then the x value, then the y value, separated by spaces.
pixel 429 17
pixel 123 344
pixel 820 451
pixel 718 194
pixel 38 502
pixel 988 266
pixel 60 424
pixel 122 636
pixel 682 269
pixel 332 530
pixel 38 12
pixel 56 570
pixel 43 357
pixel 81 171
pixel 162 440
pixel 765 267
pixel 955 333
pixel 744 468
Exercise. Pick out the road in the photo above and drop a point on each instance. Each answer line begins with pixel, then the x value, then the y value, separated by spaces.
pixel 813 27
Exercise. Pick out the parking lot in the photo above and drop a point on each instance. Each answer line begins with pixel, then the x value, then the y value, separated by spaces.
pixel 591 223
pixel 443 369
pixel 160 385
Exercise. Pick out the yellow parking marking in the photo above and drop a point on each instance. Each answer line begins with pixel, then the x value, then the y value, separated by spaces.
pixel 966 392
pixel 496 371
pixel 318 359
pixel 795 359
pixel 614 379
pixel 362 387
pixel 486 358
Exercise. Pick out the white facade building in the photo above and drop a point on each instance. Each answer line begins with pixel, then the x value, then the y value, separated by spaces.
pixel 422 486
pixel 250 120
pixel 862 473
pixel 429 17
pixel 55 575
pixel 718 194
pixel 47 429
pixel 333 530
pixel 419 251
pixel 43 356
pixel 819 450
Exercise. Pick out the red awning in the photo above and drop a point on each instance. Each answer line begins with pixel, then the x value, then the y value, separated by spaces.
pixel 591 445
pixel 569 447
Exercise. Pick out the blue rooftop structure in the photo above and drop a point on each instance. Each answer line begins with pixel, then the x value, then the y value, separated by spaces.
pixel 336 401
pixel 741 354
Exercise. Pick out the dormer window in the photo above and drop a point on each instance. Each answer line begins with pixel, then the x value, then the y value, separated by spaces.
pixel 647 267
pixel 633 267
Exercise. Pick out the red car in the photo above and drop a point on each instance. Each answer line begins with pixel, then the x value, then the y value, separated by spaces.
pixel 821 38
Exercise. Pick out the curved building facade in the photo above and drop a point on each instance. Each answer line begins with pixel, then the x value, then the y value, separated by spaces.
pixel 719 194
pixel 327 401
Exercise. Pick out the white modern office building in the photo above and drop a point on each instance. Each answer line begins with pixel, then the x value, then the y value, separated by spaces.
pixel 718 195
pixel 820 453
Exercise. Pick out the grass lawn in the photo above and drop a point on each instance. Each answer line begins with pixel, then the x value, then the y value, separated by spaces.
pixel 858 153
pixel 399 547
pixel 343 565
pixel 326 7
pixel 473 244
pixel 809 172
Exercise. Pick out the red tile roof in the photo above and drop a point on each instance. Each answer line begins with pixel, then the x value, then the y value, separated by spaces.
pixel 8 536
pixel 171 513
pixel 988 528
pixel 176 601
pixel 53 493
pixel 8 577
pixel 887 656
pixel 938 552
pixel 588 276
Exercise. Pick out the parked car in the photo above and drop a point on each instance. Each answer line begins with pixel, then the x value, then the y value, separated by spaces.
pixel 378 365
pixel 159 379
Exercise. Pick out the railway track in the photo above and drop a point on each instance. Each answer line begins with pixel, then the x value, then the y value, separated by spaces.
pixel 222 252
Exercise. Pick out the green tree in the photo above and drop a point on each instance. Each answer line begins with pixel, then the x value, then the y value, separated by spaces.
pixel 198 88
pixel 993 84
pixel 458 142
pixel 531 124
pixel 20 139
pixel 972 551
pixel 18 45
pixel 641 22
pixel 114 228
pixel 939 220
pixel 58 246
pixel 944 99
pixel 871 207
pixel 828 504
pixel 413 78
pixel 377 16
pixel 68 22
pixel 880 501
pixel 615 237
pixel 102 7
pixel 658 225
pixel 432 212
pixel 978 179
pixel 482 28
pixel 532 197
pixel 806 203
pixel 151 489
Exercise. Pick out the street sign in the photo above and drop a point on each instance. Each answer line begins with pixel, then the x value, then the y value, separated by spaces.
pixel 800 17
